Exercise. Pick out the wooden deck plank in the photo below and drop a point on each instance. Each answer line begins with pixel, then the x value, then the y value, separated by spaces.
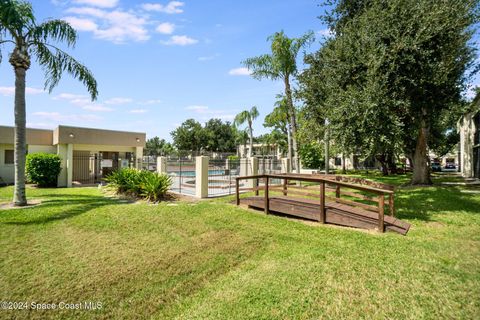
pixel 336 213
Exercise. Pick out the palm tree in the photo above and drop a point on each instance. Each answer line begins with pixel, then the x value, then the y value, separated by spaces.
pixel 281 64
pixel 19 28
pixel 247 116
pixel 279 119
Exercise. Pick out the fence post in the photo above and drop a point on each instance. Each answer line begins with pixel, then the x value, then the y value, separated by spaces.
pixel 381 206
pixel 201 177
pixel 162 164
pixel 286 165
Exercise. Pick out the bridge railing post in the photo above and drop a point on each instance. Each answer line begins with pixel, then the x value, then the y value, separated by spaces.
pixel 381 213
pixel 237 191
pixel 322 202
pixel 266 200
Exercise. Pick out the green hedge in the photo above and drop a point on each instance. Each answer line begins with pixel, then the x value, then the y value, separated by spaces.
pixel 152 186
pixel 43 169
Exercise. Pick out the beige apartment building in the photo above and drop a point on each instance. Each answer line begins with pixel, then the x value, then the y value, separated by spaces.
pixel 87 154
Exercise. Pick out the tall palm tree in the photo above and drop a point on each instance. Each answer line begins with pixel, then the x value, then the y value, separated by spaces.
pixel 18 27
pixel 281 64
pixel 247 116
pixel 279 119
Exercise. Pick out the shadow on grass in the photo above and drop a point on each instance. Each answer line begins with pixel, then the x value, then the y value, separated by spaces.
pixel 58 207
pixel 423 203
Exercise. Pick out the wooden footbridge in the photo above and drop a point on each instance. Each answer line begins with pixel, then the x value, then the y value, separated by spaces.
pixel 338 200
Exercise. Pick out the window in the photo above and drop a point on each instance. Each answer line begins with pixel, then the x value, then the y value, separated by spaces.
pixel 338 161
pixel 9 157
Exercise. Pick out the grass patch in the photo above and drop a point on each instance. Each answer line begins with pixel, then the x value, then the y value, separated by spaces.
pixel 212 260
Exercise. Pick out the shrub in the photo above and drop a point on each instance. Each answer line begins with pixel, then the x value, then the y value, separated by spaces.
pixel 43 169
pixel 312 156
pixel 233 158
pixel 139 183
pixel 155 185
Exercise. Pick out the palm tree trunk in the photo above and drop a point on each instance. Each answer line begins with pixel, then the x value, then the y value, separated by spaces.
pixel 19 196
pixel 293 122
pixel 289 142
pixel 250 152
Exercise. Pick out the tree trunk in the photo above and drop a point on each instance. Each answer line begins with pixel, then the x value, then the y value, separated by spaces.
pixel 344 169
pixel 289 142
pixel 19 196
pixel 293 123
pixel 383 161
pixel 327 151
pixel 250 152
pixel 391 163
pixel 421 171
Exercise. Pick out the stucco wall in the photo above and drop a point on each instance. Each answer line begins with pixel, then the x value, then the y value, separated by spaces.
pixel 86 136
pixel 34 136
pixel 466 128
pixel 7 171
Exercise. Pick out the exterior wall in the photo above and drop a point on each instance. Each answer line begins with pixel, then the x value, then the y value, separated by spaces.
pixel 74 135
pixel 7 171
pixel 34 136
pixel 64 141
pixel 45 149
pixel 466 128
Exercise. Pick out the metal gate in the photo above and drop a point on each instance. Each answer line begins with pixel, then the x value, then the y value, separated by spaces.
pixel 86 168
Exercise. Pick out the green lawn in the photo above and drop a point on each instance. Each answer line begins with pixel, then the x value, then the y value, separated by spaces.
pixel 212 260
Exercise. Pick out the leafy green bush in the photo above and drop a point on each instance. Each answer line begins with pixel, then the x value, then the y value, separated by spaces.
pixel 155 185
pixel 312 156
pixel 233 158
pixel 43 169
pixel 139 183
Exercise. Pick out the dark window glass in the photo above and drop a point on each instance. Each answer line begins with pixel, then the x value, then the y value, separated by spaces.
pixel 9 157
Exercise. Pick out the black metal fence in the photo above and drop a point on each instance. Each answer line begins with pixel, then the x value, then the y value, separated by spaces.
pixel 87 168
pixel 182 173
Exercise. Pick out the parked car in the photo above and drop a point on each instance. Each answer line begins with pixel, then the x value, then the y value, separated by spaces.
pixel 436 167
pixel 450 166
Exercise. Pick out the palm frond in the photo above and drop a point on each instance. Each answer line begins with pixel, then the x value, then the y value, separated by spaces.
pixel 16 15
pixel 241 118
pixel 57 62
pixel 262 67
pixel 56 30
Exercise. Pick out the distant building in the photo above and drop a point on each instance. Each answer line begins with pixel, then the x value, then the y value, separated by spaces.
pixel 469 129
pixel 87 154
pixel 260 149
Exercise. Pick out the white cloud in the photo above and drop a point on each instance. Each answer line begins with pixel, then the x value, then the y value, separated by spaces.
pixel 56 116
pixel 138 111
pixel 208 58
pixel 97 108
pixel 117 26
pixel 165 28
pixel 10 91
pixel 81 24
pixel 171 8
pixel 208 113
pixel 118 100
pixel 98 3
pixel 180 41
pixel 239 72
pixel 198 109
pixel 151 101
pixel 68 96
pixel 85 103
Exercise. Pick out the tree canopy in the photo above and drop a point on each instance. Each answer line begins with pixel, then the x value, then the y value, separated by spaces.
pixel 391 74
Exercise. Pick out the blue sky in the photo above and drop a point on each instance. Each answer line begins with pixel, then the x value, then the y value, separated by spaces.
pixel 159 63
